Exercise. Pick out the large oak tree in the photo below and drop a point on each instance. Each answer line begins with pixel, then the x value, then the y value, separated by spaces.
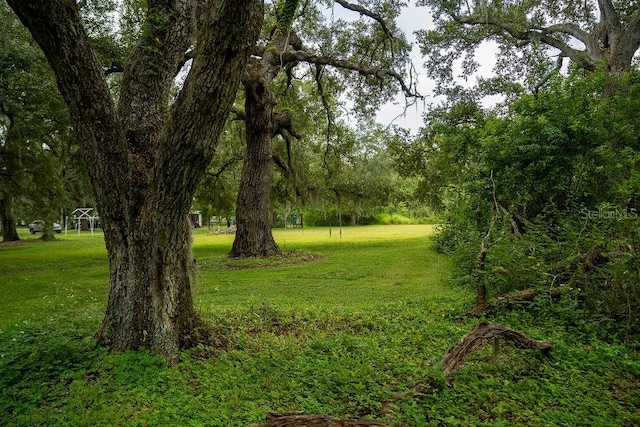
pixel 369 55
pixel 146 153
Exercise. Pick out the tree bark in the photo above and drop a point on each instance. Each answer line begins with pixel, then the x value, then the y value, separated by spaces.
pixel 253 235
pixel 150 302
pixel 620 40
pixel 146 158
pixel 47 232
pixel 8 222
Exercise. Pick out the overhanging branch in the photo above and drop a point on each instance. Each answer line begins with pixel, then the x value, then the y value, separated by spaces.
pixel 377 72
pixel 571 30
pixel 580 58
pixel 226 165
pixel 366 12
pixel 326 107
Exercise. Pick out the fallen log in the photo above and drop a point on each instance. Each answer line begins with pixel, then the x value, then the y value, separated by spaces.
pixel 229 230
pixel 516 297
pixel 299 419
pixel 483 333
pixel 525 296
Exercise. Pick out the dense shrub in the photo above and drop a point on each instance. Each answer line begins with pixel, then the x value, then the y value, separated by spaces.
pixel 552 191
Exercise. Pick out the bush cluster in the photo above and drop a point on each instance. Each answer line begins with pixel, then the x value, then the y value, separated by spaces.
pixel 552 191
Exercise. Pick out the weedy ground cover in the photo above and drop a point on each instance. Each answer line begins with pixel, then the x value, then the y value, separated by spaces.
pixel 350 325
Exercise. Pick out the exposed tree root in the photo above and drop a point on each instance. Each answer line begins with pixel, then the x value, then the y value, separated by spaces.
pixel 482 334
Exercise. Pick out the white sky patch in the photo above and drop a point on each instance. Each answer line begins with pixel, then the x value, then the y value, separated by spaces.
pixel 412 19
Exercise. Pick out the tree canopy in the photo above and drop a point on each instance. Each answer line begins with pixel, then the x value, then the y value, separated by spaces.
pixel 149 98
pixel 533 37
pixel 544 196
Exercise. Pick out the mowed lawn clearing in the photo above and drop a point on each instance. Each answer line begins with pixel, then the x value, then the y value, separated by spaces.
pixel 321 267
pixel 350 324
pixel 366 266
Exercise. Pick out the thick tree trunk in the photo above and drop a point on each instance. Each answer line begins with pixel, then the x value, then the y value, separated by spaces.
pixel 150 302
pixel 9 232
pixel 253 235
pixel 619 40
pixel 47 232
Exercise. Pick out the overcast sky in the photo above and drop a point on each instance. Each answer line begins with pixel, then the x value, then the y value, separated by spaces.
pixel 412 19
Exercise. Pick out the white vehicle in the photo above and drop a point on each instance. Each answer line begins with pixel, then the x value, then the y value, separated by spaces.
pixel 38 225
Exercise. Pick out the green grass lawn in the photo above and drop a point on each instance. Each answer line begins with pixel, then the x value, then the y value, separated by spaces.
pixel 350 324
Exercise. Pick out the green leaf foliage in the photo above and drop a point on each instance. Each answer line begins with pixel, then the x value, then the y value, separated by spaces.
pixel 549 188
pixel 35 132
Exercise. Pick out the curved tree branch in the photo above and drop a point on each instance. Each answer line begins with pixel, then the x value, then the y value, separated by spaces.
pixel 226 165
pixel 279 161
pixel 326 106
pixel 577 56
pixel 377 72
pixel 57 27
pixel 363 11
pixel 571 30
pixel 483 333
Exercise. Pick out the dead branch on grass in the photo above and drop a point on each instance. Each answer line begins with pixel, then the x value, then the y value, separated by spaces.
pixel 483 333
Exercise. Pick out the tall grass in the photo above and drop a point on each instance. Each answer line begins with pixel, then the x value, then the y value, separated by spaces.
pixel 350 324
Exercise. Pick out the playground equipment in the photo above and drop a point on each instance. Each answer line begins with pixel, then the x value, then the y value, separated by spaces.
pixel 79 215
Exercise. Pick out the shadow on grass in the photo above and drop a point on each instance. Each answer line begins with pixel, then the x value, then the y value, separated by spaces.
pixel 45 367
pixel 36 358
